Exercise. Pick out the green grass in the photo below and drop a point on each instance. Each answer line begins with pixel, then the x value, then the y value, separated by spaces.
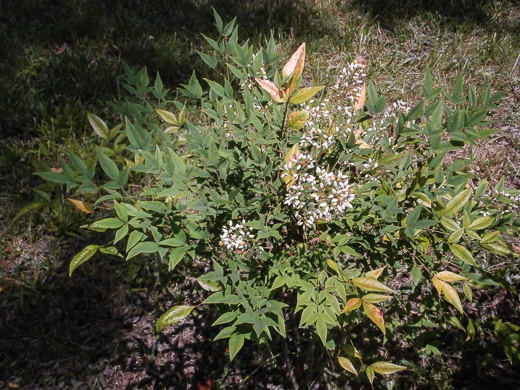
pixel 45 97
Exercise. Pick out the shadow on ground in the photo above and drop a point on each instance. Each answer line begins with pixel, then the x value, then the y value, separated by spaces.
pixel 58 53
pixel 456 12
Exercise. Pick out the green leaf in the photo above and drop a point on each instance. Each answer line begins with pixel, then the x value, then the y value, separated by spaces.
pixel 30 208
pixel 108 165
pixel 463 254
pixel 450 224
pixel 111 250
pixel 121 233
pixel 455 237
pixel 236 342
pixel 456 204
pixel 497 249
pixel 386 368
pixel 54 177
pixel 133 239
pixel 416 274
pixel 321 329
pixel 481 279
pixel 173 316
pixel 82 256
pixel 225 318
pixel 168 117
pixel 99 127
pixel 490 237
pixel 107 223
pixel 142 247
pixel 217 88
pixel 347 365
pixel 208 285
pixel 482 222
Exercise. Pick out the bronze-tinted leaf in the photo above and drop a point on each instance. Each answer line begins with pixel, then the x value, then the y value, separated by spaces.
pixel 295 67
pixel 276 93
pixel 352 304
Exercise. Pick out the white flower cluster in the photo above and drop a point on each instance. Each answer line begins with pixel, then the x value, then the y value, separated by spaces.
pixel 235 236
pixel 316 194
pixel 381 122
pixel 326 120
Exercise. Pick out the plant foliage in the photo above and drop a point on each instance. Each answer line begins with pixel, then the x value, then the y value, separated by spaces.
pixel 311 208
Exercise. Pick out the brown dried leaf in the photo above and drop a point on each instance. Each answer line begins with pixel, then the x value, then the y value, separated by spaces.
pixel 360 103
pixel 62 49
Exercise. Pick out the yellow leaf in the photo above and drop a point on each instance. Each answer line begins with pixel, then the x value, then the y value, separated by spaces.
pixel 332 264
pixel 295 67
pixel 386 368
pixel 297 119
pixel 352 304
pixel 451 296
pixel 375 298
pixel 305 94
pixel 293 152
pixel 168 116
pixel 375 315
pixel 360 103
pixel 83 206
pixel 370 374
pixel 370 284
pixel 375 273
pixel 347 364
pixel 438 285
pixel 352 351
pixel 276 93
pixel 448 276
pixel 289 160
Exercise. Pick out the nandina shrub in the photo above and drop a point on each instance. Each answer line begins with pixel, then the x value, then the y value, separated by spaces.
pixel 312 210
